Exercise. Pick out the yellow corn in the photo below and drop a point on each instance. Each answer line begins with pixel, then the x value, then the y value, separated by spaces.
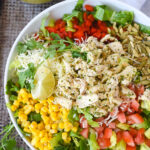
pixel 61 125
pixel 14 107
pixel 64 136
pixel 74 129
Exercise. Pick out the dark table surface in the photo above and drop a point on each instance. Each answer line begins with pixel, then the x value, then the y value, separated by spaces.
pixel 14 15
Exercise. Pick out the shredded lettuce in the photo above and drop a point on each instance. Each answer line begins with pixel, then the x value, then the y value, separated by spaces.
pixel 122 17
pixel 144 125
pixel 145 29
pixel 89 117
pixel 92 142
pixel 103 13
pixel 51 23
pixel 45 32
pixel 79 5
pixel 113 139
pixel 73 115
pixel 55 140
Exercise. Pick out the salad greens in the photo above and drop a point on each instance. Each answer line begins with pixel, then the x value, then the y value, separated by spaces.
pixel 11 90
pixel 88 134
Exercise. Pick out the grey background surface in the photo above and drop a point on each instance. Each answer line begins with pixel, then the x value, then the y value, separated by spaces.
pixel 14 15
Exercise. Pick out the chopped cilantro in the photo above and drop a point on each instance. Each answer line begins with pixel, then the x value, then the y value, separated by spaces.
pixel 26 78
pixel 33 116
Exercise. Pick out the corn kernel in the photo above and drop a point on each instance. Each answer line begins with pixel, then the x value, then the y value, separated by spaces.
pixel 68 140
pixel 64 136
pixel 27 130
pixel 38 107
pixel 28 109
pixel 54 116
pixel 46 119
pixel 55 108
pixel 14 107
pixel 33 125
pixel 23 117
pixel 16 103
pixel 54 126
pixel 74 129
pixel 44 109
pixel 68 126
pixel 61 125
pixel 44 140
pixel 48 127
pixel 41 126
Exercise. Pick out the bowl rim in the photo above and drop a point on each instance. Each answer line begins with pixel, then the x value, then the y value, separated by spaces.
pixel 67 2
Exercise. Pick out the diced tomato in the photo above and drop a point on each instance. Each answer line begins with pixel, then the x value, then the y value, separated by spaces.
pixel 133 132
pixel 121 117
pixel 135 105
pixel 135 118
pixel 85 132
pixel 128 138
pixel 83 123
pixel 119 136
pixel 140 137
pixel 99 119
pixel 124 107
pixel 130 148
pixel 89 8
pixel 107 133
pixel 147 141
pixel 101 135
pixel 112 125
pixel 132 87
pixel 104 143
pixel 140 90
pixel 99 129
pixel 130 111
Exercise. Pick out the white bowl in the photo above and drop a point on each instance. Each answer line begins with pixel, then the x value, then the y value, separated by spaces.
pixel 56 12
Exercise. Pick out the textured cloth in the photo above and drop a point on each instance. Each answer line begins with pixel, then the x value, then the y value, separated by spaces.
pixel 14 15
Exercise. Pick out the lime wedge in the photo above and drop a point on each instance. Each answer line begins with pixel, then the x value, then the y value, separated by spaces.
pixel 36 1
pixel 44 83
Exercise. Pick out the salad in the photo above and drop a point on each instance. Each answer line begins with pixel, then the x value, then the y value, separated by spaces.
pixel 82 82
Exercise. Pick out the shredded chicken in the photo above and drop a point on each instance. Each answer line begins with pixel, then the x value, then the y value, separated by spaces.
pixel 98 83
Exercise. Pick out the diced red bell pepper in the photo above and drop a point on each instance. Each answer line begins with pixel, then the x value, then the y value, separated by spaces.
pixel 89 8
